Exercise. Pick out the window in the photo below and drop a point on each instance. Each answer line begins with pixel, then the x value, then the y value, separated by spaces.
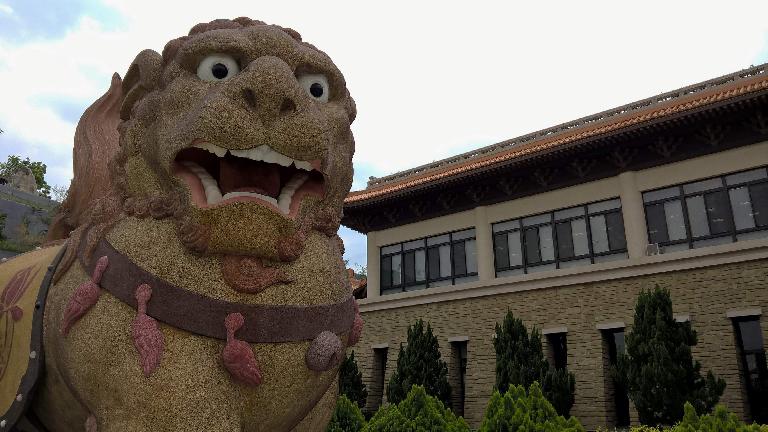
pixel 378 371
pixel 753 361
pixel 708 212
pixel 445 259
pixel 614 339
pixel 564 238
pixel 458 375
pixel 558 344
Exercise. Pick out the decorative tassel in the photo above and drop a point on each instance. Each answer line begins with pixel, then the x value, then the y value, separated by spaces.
pixel 84 297
pixel 237 355
pixel 325 352
pixel 147 338
pixel 357 327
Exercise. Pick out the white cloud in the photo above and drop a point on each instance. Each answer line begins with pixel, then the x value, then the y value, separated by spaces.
pixel 430 79
pixel 5 9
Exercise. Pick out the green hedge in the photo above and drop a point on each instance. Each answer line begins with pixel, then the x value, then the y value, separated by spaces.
pixel 418 412
pixel 518 411
pixel 721 420
pixel 346 417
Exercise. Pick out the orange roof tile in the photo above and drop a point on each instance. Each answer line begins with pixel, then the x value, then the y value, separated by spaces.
pixel 686 99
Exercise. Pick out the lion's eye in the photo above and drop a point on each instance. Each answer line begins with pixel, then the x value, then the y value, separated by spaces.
pixel 217 67
pixel 316 86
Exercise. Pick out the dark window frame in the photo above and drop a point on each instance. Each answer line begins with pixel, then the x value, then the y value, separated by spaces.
pixel 586 216
pixel 558 343
pixel 620 395
pixel 428 280
pixel 756 397
pixel 683 197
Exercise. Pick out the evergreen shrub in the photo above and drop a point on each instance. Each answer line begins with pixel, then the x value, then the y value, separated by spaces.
pixel 346 417
pixel 518 411
pixel 351 381
pixel 418 412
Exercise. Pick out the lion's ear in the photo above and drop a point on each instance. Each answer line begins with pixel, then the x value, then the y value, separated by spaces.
pixel 142 77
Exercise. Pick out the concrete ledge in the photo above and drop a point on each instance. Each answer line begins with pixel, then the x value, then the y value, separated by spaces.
pixel 379 346
pixel 611 325
pixel 740 313
pixel 681 318
pixel 554 330
pixel 458 339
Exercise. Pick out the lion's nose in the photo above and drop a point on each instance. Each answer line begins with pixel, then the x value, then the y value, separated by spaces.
pixel 269 88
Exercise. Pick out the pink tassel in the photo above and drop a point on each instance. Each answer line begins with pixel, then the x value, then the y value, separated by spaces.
pixel 237 355
pixel 84 297
pixel 357 328
pixel 147 338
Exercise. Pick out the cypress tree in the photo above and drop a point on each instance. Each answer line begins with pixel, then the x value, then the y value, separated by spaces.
pixel 658 369
pixel 351 381
pixel 520 361
pixel 419 363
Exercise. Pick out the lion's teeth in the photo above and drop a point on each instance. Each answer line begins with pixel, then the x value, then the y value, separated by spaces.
pixel 266 198
pixel 290 188
pixel 211 188
pixel 261 153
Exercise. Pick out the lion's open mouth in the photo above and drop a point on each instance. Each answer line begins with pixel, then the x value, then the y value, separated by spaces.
pixel 217 176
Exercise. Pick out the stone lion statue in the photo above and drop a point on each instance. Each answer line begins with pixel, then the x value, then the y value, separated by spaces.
pixel 194 280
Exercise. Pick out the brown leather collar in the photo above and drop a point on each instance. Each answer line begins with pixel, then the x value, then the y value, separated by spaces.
pixel 202 315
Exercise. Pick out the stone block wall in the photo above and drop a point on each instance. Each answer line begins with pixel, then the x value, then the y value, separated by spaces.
pixel 704 294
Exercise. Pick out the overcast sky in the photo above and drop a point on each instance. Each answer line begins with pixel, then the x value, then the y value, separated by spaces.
pixel 431 79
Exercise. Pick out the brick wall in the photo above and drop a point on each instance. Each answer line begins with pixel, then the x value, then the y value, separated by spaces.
pixel 704 294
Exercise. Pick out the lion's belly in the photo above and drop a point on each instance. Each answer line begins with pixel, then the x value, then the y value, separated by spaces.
pixel 191 386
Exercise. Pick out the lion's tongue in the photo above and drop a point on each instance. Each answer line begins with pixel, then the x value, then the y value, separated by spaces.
pixel 245 175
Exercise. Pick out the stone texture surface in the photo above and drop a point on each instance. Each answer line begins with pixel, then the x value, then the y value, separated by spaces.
pixel 705 294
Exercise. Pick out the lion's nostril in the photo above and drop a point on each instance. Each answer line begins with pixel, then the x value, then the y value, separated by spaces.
pixel 287 107
pixel 250 97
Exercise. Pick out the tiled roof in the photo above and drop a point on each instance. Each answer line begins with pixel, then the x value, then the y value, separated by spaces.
pixel 688 98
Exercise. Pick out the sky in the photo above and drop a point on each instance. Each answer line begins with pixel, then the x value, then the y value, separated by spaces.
pixel 430 79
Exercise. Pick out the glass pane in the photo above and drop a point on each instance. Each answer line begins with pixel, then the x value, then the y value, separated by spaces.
pixel 742 208
pixel 615 225
pixel 459 259
pixel 569 213
pixel 535 220
pixel 697 216
pixel 546 242
pixel 575 263
pixel 438 239
pixel 390 249
pixel 413 244
pixel 421 271
pixel 580 239
pixel 504 226
pixel 409 267
pixel 661 194
pixel 618 341
pixel 759 193
pixel 515 249
pixel 751 335
pixel 541 268
pixel 445 261
pixel 470 247
pixel 564 240
pixel 703 185
pixel 532 254
pixel 461 235
pixel 599 234
pixel 386 272
pixel 745 176
pixel 501 251
pixel 657 223
pixel 433 258
pixel 397 269
pixel 675 220
pixel 718 212
pixel 604 205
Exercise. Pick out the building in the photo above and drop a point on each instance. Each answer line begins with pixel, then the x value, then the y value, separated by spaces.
pixel 564 227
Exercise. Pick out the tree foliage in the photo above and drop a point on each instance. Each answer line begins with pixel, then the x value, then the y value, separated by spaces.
pixel 38 169
pixel 417 412
pixel 518 411
pixel 351 381
pixel 419 363
pixel 520 361
pixel 346 417
pixel 658 369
